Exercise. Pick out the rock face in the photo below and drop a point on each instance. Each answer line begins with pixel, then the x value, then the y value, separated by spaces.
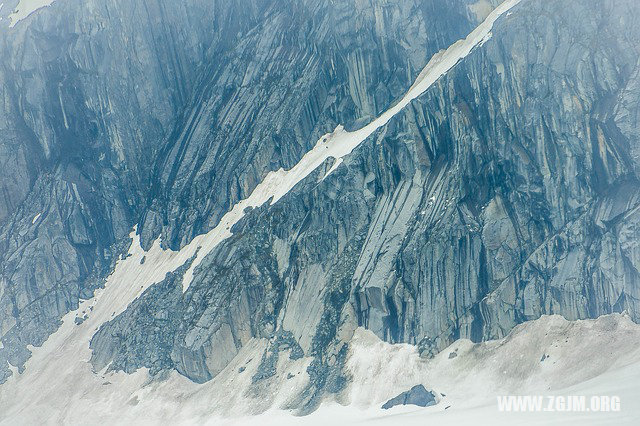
pixel 116 113
pixel 417 395
pixel 507 191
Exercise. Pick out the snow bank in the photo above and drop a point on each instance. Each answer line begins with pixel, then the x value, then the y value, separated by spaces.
pixel 591 357
pixel 574 352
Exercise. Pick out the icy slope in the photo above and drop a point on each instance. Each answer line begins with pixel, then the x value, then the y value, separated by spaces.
pixel 592 357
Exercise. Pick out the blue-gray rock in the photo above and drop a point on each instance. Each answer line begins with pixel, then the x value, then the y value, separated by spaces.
pixel 167 116
pixel 417 395
pixel 509 190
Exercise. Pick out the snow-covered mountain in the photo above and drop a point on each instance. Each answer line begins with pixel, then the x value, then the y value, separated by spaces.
pixel 222 211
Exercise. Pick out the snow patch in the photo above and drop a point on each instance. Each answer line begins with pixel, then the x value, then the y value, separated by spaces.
pixel 26 8
pixel 35 218
pixel 467 384
pixel 573 353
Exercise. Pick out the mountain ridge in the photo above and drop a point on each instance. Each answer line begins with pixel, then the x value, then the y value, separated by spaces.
pixel 505 190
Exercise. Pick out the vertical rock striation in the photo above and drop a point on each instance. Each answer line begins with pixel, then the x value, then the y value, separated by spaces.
pixel 508 190
pixel 165 114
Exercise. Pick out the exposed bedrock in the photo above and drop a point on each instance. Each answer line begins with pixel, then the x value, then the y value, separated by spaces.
pixel 164 114
pixel 507 191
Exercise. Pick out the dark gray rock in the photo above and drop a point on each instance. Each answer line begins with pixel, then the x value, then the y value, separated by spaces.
pixel 283 341
pixel 417 395
pixel 144 335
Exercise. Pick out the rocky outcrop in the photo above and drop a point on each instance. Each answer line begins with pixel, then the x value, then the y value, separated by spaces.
pixel 79 162
pixel 524 223
pixel 306 67
pixel 417 395
pixel 507 191
pixel 169 113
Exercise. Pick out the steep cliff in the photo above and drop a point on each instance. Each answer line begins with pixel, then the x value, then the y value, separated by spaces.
pixel 507 190
pixel 165 114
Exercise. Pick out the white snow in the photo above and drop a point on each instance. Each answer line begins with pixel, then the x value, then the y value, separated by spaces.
pixel 35 218
pixel 591 357
pixel 26 8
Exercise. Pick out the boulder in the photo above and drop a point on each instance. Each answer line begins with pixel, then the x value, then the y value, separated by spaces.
pixel 417 395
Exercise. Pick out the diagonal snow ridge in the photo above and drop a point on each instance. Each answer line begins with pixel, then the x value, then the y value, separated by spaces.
pixel 339 143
